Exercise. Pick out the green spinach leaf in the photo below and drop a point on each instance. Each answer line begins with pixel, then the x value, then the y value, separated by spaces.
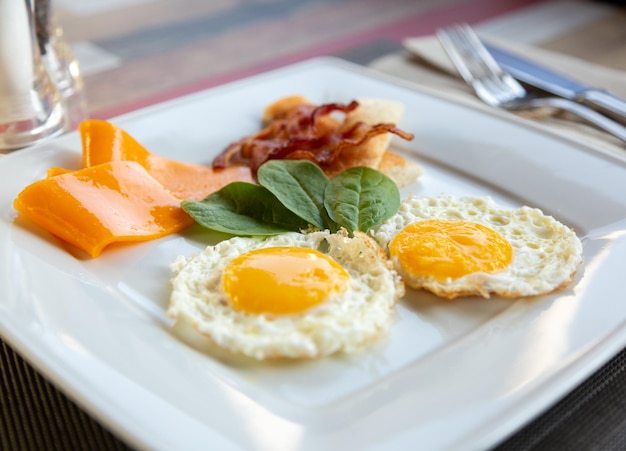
pixel 246 209
pixel 361 198
pixel 299 185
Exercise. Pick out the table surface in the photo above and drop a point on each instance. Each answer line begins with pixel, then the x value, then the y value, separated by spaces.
pixel 135 53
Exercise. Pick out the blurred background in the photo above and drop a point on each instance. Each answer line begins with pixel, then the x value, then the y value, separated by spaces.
pixel 138 52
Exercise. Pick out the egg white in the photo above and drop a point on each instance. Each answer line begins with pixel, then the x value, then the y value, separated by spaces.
pixel 546 253
pixel 344 323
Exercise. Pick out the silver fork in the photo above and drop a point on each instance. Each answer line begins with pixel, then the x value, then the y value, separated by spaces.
pixel 497 88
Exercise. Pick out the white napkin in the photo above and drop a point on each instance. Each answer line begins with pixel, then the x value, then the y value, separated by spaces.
pixel 426 64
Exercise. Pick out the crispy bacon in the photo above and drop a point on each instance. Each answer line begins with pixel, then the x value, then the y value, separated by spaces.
pixel 308 132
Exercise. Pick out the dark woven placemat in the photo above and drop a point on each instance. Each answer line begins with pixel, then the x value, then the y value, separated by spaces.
pixel 591 417
pixel 36 416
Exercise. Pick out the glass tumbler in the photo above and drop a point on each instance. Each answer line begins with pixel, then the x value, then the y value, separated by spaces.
pixel 30 103
pixel 60 62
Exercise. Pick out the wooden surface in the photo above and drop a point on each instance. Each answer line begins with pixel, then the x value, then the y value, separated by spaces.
pixel 601 41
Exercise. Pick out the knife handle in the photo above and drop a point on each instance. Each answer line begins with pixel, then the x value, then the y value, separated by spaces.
pixel 606 103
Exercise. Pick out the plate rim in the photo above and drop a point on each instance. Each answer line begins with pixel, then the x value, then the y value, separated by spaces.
pixel 588 362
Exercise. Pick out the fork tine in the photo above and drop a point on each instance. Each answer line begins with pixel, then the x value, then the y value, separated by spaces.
pixel 455 48
pixel 477 66
pixel 497 88
pixel 476 46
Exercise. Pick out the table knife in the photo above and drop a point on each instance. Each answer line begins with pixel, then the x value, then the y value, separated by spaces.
pixel 561 85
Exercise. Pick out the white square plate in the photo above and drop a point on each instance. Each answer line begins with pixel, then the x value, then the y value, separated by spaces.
pixel 452 374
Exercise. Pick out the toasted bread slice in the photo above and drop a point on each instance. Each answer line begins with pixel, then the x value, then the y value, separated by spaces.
pixel 280 108
pixel 370 153
pixel 374 152
pixel 399 169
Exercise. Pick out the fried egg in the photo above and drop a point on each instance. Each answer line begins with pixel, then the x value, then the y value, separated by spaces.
pixel 472 246
pixel 289 296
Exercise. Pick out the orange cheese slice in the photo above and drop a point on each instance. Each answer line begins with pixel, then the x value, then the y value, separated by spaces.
pixel 104 142
pixel 96 206
pixel 58 171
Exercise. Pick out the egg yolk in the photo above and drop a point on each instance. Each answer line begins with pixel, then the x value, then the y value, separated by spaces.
pixel 450 249
pixel 282 280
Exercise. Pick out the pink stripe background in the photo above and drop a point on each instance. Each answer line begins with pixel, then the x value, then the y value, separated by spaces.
pixel 470 11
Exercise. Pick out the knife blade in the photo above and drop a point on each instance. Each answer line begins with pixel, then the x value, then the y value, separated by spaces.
pixel 561 85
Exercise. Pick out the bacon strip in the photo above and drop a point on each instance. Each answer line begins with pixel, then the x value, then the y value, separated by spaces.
pixel 308 132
